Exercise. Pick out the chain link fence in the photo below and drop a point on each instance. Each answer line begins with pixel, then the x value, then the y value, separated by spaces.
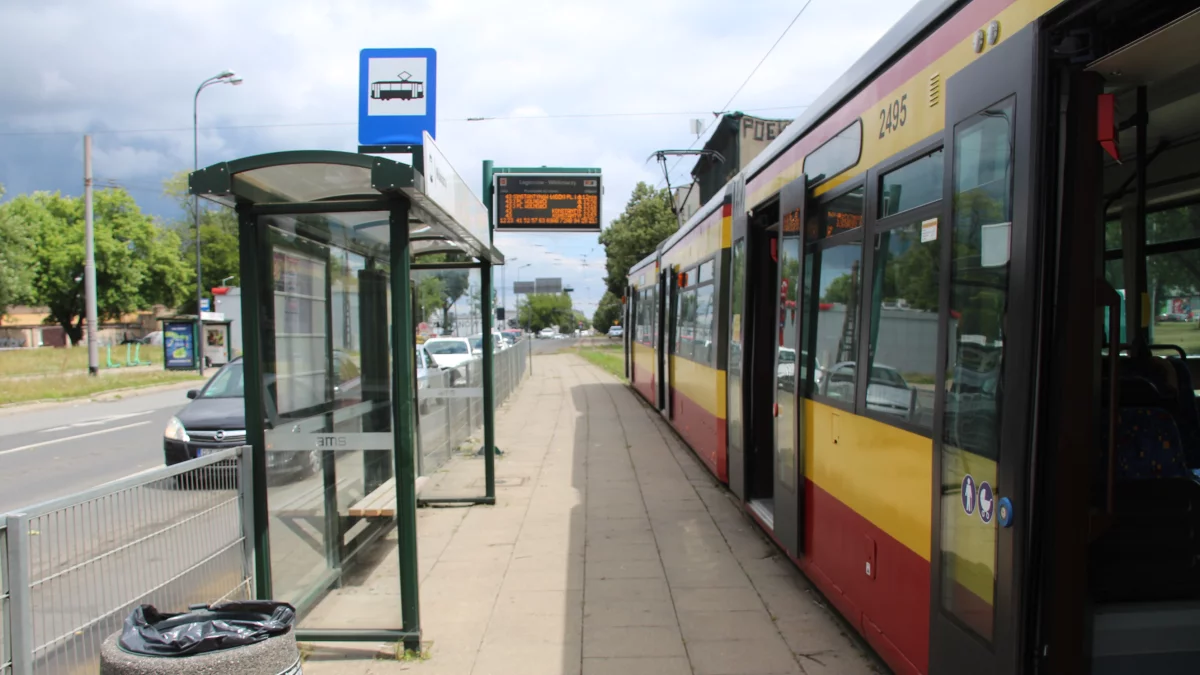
pixel 72 569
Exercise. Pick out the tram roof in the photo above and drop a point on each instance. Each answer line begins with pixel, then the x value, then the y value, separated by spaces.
pixel 911 27
pixel 356 188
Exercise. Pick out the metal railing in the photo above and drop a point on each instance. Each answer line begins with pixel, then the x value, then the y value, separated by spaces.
pixel 72 569
pixel 5 612
pixel 452 416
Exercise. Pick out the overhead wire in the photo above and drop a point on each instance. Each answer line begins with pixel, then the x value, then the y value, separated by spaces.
pixel 283 125
pixel 725 108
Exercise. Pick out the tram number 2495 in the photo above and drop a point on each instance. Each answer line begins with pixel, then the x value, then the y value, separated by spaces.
pixel 894 116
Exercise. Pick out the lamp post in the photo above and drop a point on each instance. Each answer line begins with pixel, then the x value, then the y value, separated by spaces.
pixel 224 77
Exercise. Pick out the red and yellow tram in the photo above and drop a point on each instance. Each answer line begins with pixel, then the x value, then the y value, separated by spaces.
pixel 894 336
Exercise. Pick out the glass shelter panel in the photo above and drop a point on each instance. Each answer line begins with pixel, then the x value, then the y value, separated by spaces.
pixel 450 391
pixel 979 290
pixel 328 420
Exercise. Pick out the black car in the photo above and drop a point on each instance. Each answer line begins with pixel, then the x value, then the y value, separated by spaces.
pixel 216 419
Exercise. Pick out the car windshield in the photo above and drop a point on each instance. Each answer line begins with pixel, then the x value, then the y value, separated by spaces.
pixel 887 376
pixel 787 356
pixel 477 343
pixel 227 384
pixel 447 347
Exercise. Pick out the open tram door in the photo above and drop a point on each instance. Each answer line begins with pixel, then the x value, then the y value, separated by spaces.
pixel 666 341
pixel 987 321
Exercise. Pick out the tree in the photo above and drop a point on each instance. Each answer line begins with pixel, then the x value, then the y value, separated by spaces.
pixel 16 250
pixel 646 221
pixel 219 253
pixel 138 263
pixel 541 310
pixel 838 289
pixel 607 313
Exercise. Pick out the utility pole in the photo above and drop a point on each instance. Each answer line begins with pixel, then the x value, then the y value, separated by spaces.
pixel 89 261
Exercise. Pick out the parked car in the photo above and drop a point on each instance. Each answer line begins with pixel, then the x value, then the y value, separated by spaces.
pixel 616 332
pixel 786 370
pixel 215 419
pixel 453 354
pixel 887 392
pixel 426 369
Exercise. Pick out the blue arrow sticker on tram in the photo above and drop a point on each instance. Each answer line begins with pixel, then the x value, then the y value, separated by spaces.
pixel 987 502
pixel 968 494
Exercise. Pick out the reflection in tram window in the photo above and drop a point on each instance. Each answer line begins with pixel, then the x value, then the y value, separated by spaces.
pixel 838 289
pixel 915 184
pixel 974 364
pixel 841 214
pixel 903 323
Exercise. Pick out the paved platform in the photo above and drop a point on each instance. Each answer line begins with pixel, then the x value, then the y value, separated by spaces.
pixel 611 550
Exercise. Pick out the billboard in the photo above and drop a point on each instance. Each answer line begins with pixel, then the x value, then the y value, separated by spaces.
pixel 179 345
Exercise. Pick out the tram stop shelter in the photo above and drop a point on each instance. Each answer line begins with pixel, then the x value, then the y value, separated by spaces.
pixel 327 244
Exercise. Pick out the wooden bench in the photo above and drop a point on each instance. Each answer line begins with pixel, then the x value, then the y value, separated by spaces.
pixel 380 503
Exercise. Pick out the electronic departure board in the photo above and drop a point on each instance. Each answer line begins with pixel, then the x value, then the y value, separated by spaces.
pixel 534 202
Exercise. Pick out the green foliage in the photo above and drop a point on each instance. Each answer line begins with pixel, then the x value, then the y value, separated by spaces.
pixel 16 250
pixel 607 312
pixel 839 290
pixel 541 310
pixel 646 221
pixel 137 262
pixel 219 253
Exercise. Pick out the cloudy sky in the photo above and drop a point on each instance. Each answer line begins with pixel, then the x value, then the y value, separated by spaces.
pixel 600 83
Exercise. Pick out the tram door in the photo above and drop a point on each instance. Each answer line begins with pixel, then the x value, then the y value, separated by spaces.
pixel 665 341
pixel 986 327
pixel 789 368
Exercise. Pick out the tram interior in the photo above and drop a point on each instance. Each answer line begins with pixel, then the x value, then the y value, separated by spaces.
pixel 762 280
pixel 1144 561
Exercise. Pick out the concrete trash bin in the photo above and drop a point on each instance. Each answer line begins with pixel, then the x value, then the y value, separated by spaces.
pixel 248 638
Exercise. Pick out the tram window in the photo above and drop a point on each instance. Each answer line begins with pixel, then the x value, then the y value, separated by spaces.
pixel 1174 279
pixel 836 155
pixel 915 184
pixel 837 271
pixel 703 350
pixel 1112 235
pixel 1174 224
pixel 686 335
pixel 974 372
pixel 706 272
pixel 841 214
pixel 903 324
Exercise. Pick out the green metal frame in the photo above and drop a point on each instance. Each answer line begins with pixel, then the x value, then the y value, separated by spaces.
pixel 389 182
pixel 489 448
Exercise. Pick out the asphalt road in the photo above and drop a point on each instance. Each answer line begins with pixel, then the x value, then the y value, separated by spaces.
pixel 60 450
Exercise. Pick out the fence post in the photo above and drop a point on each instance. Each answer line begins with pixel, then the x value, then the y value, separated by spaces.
pixel 20 603
pixel 246 504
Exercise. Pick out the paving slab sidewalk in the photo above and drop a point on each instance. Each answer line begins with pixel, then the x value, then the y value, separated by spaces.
pixel 611 550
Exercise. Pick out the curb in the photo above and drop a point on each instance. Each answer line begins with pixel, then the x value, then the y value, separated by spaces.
pixel 112 394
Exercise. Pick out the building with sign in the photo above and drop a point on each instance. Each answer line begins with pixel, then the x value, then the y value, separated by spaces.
pixel 738 138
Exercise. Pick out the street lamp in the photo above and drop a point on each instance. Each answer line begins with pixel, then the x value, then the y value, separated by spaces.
pixel 224 77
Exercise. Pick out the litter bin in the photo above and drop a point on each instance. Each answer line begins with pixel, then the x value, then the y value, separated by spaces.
pixel 248 638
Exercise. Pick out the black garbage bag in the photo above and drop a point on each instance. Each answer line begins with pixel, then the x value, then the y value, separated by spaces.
pixel 204 629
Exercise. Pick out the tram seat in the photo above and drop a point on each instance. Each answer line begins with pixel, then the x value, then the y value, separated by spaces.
pixel 1151 550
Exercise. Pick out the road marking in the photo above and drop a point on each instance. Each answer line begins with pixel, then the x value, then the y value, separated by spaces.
pixel 71 438
pixel 96 421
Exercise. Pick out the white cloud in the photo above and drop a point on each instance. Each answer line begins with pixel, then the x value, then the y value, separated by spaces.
pixel 135 64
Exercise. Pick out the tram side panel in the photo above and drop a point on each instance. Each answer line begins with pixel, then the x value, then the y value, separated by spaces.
pixel 697 384
pixel 640 331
